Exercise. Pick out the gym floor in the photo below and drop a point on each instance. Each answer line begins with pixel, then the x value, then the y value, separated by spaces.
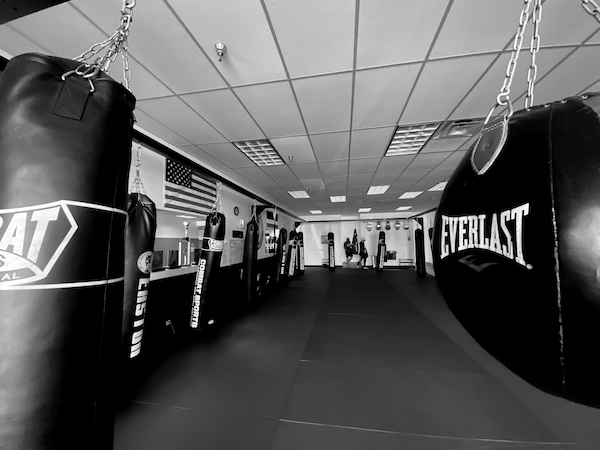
pixel 351 360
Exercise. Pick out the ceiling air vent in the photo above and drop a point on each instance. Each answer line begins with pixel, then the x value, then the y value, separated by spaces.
pixel 410 139
pixel 458 128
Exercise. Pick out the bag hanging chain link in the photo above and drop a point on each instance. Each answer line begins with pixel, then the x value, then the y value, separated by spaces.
pixel 533 49
pixel 218 205
pixel 593 11
pixel 503 98
pixel 116 44
pixel 137 185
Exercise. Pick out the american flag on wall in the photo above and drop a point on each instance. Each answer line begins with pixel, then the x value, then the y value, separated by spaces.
pixel 187 190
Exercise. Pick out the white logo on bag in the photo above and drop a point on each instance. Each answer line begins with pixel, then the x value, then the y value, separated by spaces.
pixel 144 262
pixel 31 241
pixel 215 245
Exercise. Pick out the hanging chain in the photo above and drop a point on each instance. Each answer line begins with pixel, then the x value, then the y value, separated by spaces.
pixel 503 98
pixel 593 10
pixel 218 206
pixel 533 49
pixel 116 44
pixel 254 215
pixel 137 185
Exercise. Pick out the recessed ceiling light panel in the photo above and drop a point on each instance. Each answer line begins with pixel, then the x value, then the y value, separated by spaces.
pixel 410 139
pixel 260 152
pixel 375 190
pixel 299 194
pixel 439 187
pixel 410 195
pixel 364 210
pixel 338 198
pixel 316 211
pixel 403 208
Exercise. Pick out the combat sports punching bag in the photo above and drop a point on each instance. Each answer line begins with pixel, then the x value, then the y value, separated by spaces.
pixel 300 238
pixel 140 231
pixel 381 251
pixel 291 255
pixel 331 250
pixel 420 253
pixel 250 263
pixel 516 245
pixel 282 255
pixel 204 303
pixel 65 155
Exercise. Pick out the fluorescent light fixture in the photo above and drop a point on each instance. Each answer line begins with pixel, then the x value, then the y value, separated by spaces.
pixel 439 187
pixel 374 190
pixel 299 194
pixel 403 208
pixel 316 211
pixel 410 195
pixel 337 198
pixel 409 139
pixel 186 217
pixel 364 210
pixel 260 152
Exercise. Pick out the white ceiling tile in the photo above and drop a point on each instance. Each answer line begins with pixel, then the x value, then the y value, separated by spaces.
pixel 482 98
pixel 310 170
pixel 563 23
pixel 146 122
pixel 452 161
pixel 386 179
pixel 251 54
pixel 395 164
pixel 15 44
pixel 228 154
pixel 315 36
pixel 336 182
pixel 380 94
pixel 279 172
pixel 491 25
pixel 325 102
pixel 434 99
pixel 388 31
pixel 364 166
pixel 410 177
pixel 331 146
pixel 360 180
pixel 443 145
pixel 176 115
pixel 297 146
pixel 154 33
pixel 268 185
pixel 253 173
pixel 224 112
pixel 273 107
pixel 371 143
pixel 576 73
pixel 357 190
pixel 291 185
pixel 334 168
pixel 426 162
pixel 399 188
pixel 202 156
pixel 311 184
pixel 431 179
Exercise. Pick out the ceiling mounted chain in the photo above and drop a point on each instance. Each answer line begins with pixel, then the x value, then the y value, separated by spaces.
pixel 592 8
pixel 533 49
pixel 115 44
pixel 137 185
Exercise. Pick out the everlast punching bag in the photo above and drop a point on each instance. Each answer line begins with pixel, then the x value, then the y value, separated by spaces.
pixel 204 301
pixel 65 155
pixel 291 255
pixel 381 251
pixel 140 231
pixel 515 245
pixel 331 250
pixel 282 254
pixel 300 237
pixel 250 263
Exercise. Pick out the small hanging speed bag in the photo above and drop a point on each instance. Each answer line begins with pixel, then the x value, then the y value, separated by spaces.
pixel 516 245
pixel 140 231
pixel 66 151
pixel 204 308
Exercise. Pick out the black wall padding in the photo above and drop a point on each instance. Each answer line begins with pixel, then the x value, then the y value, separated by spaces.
pixel 516 245
pixel 282 255
pixel 140 231
pixel 250 265
pixel 63 189
pixel 331 250
pixel 204 299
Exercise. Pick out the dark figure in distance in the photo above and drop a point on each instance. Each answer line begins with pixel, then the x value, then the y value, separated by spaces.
pixel 348 249
pixel 363 253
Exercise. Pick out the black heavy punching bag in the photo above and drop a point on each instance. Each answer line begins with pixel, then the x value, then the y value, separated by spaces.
pixel 63 189
pixel 250 272
pixel 140 230
pixel 331 250
pixel 515 245
pixel 300 238
pixel 420 253
pixel 381 251
pixel 282 255
pixel 204 302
